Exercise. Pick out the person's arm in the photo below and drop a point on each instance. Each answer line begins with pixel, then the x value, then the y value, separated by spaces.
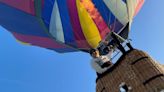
pixel 109 55
pixel 106 64
pixel 110 48
pixel 98 68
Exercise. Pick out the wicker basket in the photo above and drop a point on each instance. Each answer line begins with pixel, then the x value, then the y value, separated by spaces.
pixel 135 71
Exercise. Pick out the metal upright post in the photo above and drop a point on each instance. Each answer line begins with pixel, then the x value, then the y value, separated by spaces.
pixel 117 41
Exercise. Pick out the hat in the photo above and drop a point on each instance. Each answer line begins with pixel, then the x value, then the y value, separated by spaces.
pixel 92 50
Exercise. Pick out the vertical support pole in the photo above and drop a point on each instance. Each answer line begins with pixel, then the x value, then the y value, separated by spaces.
pixel 120 47
pixel 130 46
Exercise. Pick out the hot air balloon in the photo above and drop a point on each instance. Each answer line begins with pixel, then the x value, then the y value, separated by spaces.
pixel 67 25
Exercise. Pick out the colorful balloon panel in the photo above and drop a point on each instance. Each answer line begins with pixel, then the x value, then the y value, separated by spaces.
pixel 24 5
pixel 66 25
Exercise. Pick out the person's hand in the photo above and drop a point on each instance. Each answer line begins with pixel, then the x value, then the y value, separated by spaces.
pixel 105 42
pixel 111 46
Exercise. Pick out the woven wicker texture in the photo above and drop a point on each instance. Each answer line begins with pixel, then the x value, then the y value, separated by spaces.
pixel 137 70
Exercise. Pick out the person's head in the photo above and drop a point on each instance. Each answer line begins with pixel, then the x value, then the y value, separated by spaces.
pixel 94 53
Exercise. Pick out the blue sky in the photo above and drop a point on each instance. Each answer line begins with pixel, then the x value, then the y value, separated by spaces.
pixel 33 69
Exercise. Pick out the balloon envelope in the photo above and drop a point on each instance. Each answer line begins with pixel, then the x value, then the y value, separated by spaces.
pixel 66 25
